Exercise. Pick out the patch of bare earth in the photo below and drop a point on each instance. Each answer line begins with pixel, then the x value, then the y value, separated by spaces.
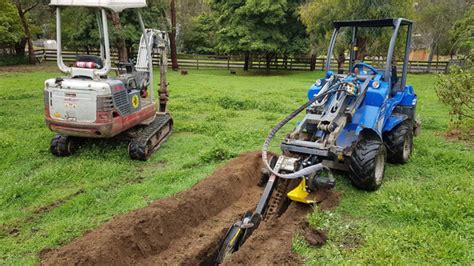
pixel 187 228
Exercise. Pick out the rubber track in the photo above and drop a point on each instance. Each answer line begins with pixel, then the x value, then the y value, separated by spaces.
pixel 153 128
pixel 138 146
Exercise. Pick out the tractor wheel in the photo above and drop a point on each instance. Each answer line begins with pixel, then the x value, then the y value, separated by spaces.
pixel 399 143
pixel 139 150
pixel 63 145
pixel 367 164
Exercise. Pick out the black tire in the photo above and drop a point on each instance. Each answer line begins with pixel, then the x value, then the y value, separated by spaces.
pixel 367 164
pixel 399 143
pixel 62 146
pixel 139 151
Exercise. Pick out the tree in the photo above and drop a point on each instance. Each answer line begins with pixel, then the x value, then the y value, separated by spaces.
pixel 10 27
pixel 318 16
pixel 295 32
pixel 22 13
pixel 434 20
pixel 79 29
pixel 200 36
pixel 187 14
pixel 456 89
pixel 462 35
pixel 253 27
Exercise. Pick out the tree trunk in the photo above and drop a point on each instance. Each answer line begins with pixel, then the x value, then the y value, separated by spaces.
pixel 312 63
pixel 340 63
pixel 26 29
pixel 120 45
pixel 285 61
pixel 430 56
pixel 268 61
pixel 20 47
pixel 174 53
pixel 362 49
pixel 246 61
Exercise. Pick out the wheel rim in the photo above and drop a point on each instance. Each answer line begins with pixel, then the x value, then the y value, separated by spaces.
pixel 379 167
pixel 406 149
pixel 70 146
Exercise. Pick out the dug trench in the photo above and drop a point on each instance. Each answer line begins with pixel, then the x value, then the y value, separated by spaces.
pixel 188 228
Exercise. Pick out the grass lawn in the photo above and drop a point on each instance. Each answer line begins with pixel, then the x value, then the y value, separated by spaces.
pixel 424 212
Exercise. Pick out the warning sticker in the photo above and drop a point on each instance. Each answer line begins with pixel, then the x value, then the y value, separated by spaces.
pixel 135 101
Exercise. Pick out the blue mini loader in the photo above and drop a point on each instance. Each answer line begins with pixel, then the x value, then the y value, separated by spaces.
pixel 354 122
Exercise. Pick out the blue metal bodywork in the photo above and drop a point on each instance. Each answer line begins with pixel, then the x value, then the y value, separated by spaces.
pixel 376 113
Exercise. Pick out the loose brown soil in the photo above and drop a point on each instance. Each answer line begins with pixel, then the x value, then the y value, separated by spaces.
pixel 271 243
pixel 187 228
pixel 314 237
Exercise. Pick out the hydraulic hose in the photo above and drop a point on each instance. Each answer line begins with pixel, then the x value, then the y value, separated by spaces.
pixel 327 88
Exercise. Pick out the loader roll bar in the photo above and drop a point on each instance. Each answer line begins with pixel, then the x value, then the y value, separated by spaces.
pixel 372 23
pixel 395 23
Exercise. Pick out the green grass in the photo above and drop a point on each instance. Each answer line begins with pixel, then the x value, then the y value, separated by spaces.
pixel 422 214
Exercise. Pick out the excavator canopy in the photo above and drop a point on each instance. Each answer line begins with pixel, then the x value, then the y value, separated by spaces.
pixel 115 5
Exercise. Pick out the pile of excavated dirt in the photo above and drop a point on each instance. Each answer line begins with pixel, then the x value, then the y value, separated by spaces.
pixel 187 228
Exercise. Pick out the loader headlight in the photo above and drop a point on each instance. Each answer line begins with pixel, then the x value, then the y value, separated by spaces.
pixel 375 84
pixel 318 82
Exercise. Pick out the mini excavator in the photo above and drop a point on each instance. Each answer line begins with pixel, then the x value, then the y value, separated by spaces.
pixel 90 103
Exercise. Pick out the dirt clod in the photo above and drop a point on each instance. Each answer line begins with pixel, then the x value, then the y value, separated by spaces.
pixel 327 199
pixel 314 237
